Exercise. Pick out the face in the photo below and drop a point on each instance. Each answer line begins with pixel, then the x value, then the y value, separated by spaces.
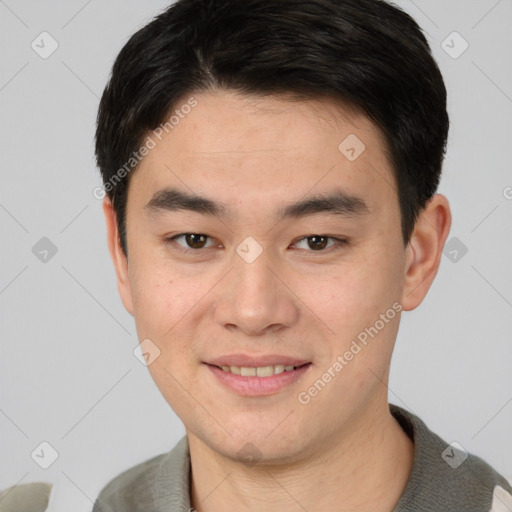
pixel 266 264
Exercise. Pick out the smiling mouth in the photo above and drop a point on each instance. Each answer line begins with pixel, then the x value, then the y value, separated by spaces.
pixel 259 371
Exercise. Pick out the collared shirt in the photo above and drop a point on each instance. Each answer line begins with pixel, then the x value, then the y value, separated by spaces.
pixel 444 478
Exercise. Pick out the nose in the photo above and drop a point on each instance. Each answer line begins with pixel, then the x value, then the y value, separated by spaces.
pixel 255 299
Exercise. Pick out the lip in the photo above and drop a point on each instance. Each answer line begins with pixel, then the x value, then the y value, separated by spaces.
pixel 255 361
pixel 257 386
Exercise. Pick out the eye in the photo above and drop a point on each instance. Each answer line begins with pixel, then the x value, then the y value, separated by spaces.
pixel 319 243
pixel 192 240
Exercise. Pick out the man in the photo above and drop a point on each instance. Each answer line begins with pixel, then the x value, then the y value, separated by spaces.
pixel 271 169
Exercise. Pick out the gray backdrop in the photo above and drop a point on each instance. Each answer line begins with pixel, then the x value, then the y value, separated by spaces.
pixel 68 376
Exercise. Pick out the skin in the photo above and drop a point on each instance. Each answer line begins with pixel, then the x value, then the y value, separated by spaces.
pixel 343 450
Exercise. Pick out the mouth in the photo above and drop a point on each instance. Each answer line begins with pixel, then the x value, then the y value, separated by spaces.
pixel 260 371
pixel 257 376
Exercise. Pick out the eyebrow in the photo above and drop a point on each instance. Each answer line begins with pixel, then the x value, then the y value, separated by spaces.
pixel 336 202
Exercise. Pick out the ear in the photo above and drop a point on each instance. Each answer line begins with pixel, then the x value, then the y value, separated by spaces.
pixel 118 257
pixel 424 250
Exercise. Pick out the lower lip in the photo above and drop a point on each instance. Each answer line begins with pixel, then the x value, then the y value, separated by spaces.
pixel 258 386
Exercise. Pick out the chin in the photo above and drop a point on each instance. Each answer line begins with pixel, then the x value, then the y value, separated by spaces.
pixel 257 448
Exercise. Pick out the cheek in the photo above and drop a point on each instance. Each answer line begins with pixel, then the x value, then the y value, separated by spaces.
pixel 351 298
pixel 355 302
pixel 161 297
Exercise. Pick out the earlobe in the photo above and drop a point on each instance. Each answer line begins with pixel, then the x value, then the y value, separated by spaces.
pixel 119 259
pixel 424 250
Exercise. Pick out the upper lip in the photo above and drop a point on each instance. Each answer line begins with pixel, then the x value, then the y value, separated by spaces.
pixel 256 361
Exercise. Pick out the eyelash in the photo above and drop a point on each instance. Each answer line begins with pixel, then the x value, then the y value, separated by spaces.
pixel 339 242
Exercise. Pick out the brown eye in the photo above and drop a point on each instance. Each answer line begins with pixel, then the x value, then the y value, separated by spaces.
pixel 317 243
pixel 191 241
pixel 195 241
pixel 320 243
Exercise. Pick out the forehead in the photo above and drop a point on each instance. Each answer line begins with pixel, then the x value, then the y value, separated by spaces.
pixel 232 144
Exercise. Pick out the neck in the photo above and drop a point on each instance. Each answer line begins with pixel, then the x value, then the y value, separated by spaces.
pixel 365 470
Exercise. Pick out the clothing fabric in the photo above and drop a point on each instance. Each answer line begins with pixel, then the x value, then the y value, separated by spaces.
pixel 444 478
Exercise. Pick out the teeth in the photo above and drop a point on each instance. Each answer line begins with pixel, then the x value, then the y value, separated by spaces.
pixel 278 368
pixel 265 371
pixel 260 371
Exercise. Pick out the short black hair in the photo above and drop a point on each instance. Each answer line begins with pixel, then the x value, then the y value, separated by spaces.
pixel 369 54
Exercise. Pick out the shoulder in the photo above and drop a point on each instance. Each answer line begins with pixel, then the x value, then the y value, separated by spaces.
pixel 445 476
pixel 130 488
pixel 144 486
